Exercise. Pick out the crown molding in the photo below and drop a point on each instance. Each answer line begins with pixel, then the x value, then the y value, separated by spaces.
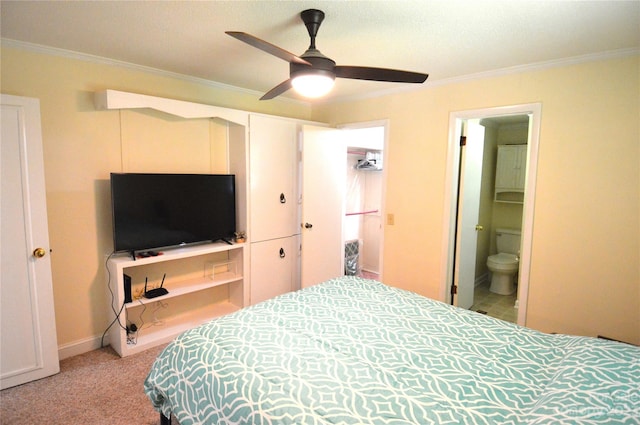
pixel 70 54
pixel 557 63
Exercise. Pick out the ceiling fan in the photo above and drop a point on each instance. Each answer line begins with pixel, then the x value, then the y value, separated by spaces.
pixel 314 72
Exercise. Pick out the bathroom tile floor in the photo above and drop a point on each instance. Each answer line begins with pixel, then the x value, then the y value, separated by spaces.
pixel 495 305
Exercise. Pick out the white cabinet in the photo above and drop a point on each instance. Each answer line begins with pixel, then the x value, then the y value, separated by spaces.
pixel 273 159
pixel 288 156
pixel 273 268
pixel 510 173
pixel 203 282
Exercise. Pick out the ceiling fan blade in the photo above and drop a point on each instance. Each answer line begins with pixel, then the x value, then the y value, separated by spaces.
pixel 379 74
pixel 267 47
pixel 277 90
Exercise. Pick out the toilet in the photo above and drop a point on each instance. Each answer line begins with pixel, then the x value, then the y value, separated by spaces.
pixel 504 265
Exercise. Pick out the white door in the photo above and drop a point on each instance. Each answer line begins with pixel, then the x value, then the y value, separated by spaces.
pixel 29 348
pixel 324 155
pixel 470 183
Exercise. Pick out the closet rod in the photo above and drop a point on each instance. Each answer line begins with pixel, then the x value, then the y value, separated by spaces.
pixel 363 212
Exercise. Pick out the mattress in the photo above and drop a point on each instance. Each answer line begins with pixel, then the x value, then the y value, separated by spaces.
pixel 356 351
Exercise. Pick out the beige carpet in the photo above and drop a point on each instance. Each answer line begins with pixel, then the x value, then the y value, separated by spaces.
pixel 97 387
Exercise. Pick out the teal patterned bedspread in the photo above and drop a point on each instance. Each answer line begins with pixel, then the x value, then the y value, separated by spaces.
pixel 356 351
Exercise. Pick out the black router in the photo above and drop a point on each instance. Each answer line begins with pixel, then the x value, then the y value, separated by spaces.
pixel 155 292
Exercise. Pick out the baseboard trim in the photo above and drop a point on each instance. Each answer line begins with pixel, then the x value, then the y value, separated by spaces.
pixel 616 340
pixel 79 347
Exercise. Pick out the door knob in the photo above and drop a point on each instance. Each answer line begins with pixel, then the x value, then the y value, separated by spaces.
pixel 39 252
pixel 479 228
pixel 308 225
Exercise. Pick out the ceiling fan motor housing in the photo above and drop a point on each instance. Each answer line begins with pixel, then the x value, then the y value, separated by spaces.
pixel 320 65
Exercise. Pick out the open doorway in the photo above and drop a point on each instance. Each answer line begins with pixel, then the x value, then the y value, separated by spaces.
pixel 477 214
pixel 363 230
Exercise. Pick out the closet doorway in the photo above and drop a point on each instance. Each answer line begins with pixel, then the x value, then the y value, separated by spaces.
pixel 363 226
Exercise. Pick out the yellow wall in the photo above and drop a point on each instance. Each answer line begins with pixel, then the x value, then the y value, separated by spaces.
pixel 585 275
pixel 82 146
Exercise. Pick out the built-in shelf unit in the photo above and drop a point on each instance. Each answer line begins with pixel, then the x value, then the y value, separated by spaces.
pixel 204 281
pixel 195 295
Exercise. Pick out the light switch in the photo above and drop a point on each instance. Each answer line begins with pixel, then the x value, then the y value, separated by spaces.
pixel 390 219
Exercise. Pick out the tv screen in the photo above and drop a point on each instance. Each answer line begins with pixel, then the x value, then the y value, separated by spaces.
pixel 162 210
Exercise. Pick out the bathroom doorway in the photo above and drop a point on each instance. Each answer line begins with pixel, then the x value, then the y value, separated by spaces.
pixel 363 230
pixel 473 213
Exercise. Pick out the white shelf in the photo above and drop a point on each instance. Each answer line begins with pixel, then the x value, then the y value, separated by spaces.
pixel 514 196
pixel 176 253
pixel 195 259
pixel 114 99
pixel 152 335
pixel 188 287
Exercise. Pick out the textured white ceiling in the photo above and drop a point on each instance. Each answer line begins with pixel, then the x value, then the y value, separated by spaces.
pixel 446 39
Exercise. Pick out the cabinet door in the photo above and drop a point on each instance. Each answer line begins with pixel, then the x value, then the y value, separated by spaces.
pixel 521 167
pixel 273 160
pixel 505 166
pixel 510 168
pixel 272 268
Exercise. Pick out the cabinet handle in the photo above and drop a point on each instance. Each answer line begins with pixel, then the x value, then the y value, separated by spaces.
pixel 282 254
pixel 282 198
pixel 308 225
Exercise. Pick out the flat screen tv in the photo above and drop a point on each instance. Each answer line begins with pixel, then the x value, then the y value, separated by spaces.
pixel 153 211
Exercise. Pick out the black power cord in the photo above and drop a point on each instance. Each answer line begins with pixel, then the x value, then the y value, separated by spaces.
pixel 116 313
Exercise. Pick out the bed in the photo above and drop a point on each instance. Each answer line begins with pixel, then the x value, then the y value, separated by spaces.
pixel 356 351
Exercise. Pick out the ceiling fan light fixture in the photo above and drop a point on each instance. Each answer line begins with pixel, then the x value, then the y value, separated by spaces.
pixel 313 74
pixel 312 85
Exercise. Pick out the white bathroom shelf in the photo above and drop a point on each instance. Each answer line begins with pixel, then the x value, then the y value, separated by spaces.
pixel 510 173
